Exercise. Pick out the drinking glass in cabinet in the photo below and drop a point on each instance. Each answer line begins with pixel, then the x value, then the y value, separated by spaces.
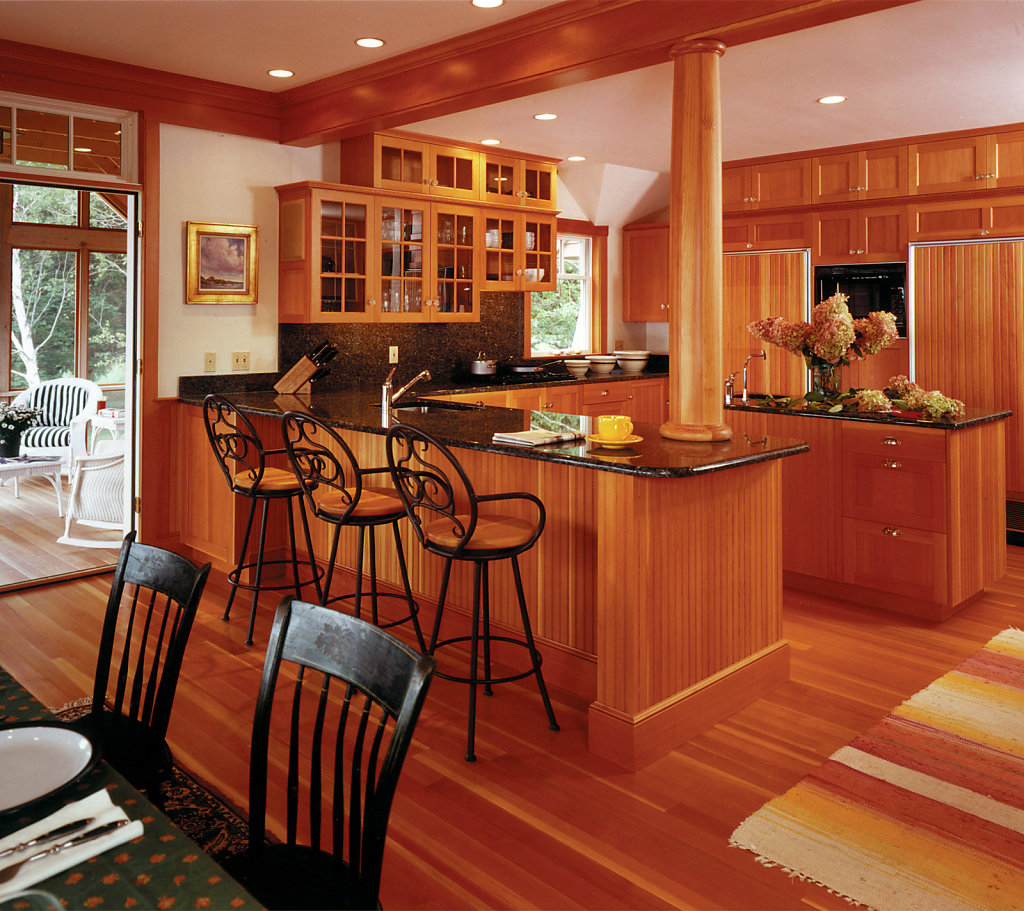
pixel 446 229
pixel 413 297
pixel 389 229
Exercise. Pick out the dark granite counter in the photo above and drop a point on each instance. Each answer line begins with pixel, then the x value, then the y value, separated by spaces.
pixel 973 416
pixel 472 427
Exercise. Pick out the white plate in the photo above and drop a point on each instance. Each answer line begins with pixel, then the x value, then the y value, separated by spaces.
pixel 36 760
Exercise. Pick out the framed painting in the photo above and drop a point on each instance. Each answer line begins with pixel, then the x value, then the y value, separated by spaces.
pixel 222 263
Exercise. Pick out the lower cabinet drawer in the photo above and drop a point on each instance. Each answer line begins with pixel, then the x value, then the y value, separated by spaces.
pixel 890 488
pixel 604 398
pixel 901 560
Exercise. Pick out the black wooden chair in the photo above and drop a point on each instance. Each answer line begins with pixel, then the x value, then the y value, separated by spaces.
pixel 351 695
pixel 152 603
pixel 333 484
pixel 243 459
pixel 444 511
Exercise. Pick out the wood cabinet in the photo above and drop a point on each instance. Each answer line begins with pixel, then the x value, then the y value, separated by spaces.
pixel 965 219
pixel 741 233
pixel 519 251
pixel 357 257
pixel 523 181
pixel 875 235
pixel 647 400
pixel 412 165
pixel 909 519
pixel 864 174
pixel 983 161
pixel 645 273
pixel 765 186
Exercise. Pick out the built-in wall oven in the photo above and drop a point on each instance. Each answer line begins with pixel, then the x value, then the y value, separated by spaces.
pixel 869 287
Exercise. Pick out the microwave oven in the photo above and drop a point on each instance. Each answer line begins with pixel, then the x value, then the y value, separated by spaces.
pixel 869 287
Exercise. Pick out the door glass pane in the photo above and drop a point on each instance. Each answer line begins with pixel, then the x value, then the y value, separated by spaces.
pixel 45 205
pixel 42 316
pixel 97 146
pixel 42 139
pixel 108 210
pixel 108 277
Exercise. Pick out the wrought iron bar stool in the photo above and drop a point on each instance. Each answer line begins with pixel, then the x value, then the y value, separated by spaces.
pixel 430 480
pixel 332 483
pixel 243 459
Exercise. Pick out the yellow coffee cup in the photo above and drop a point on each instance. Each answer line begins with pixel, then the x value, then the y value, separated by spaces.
pixel 614 426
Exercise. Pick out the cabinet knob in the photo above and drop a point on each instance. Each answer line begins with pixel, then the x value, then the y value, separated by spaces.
pixel 892 463
pixel 984 232
pixel 548 405
pixel 630 396
pixel 891 441
pixel 892 531
pixel 979 176
pixel 372 302
pixel 604 392
pixel 750 246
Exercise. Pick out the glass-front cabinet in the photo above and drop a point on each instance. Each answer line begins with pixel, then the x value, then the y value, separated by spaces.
pixel 424 167
pixel 354 257
pixel 519 251
pixel 519 181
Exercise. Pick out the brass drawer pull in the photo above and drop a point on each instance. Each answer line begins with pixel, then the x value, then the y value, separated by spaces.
pixel 891 441
pixel 892 463
pixel 892 531
pixel 604 392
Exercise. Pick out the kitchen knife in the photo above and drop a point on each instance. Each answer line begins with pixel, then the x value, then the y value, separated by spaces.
pixel 8 873
pixel 60 832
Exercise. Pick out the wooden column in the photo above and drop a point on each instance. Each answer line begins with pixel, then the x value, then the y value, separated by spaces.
pixel 695 247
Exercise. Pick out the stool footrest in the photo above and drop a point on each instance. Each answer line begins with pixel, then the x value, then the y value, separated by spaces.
pixel 234 577
pixel 368 597
pixel 489 681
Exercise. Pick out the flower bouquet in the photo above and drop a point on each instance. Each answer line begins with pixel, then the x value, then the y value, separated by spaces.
pixel 830 339
pixel 15 420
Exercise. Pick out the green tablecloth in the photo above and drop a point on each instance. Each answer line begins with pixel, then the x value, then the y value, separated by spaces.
pixel 162 870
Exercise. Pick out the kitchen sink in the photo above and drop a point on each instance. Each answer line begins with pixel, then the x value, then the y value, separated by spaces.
pixel 431 406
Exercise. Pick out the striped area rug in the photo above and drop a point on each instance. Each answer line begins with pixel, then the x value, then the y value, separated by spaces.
pixel 924 811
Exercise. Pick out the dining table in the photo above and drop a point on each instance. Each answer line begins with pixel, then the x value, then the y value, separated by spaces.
pixel 161 869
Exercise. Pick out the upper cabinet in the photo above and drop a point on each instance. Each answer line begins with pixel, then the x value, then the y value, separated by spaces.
pixel 645 265
pixel 865 174
pixel 519 251
pixel 409 163
pixel 767 186
pixel 967 163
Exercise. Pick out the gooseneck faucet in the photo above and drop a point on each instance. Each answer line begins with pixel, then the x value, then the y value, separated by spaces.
pixel 388 398
pixel 760 354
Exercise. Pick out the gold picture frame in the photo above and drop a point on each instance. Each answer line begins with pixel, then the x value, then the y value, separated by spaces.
pixel 222 264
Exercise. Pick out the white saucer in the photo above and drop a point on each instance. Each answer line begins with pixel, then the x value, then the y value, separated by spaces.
pixel 613 444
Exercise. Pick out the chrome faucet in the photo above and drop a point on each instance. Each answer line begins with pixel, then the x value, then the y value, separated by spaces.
pixel 760 354
pixel 730 382
pixel 388 398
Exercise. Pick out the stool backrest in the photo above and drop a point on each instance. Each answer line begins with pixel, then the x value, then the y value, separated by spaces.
pixel 235 442
pixel 324 465
pixel 429 479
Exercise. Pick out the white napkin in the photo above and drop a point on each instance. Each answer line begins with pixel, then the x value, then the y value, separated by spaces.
pixel 535 437
pixel 99 806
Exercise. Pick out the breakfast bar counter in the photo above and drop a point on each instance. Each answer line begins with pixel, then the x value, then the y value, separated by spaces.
pixel 637 608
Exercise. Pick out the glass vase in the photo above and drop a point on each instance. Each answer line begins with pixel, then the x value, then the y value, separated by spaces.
pixel 825 378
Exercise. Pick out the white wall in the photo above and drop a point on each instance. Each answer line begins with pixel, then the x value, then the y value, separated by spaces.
pixel 220 178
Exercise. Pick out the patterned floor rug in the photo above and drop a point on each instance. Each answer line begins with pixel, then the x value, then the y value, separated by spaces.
pixel 206 817
pixel 925 810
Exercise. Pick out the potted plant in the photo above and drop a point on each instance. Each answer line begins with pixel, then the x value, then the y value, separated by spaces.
pixel 14 420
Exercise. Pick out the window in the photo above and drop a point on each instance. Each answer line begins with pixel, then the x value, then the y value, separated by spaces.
pixel 69 281
pixel 561 321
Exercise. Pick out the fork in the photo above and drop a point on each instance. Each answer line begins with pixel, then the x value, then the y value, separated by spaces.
pixel 9 872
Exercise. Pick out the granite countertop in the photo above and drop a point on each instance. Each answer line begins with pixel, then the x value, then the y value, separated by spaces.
pixel 472 427
pixel 972 417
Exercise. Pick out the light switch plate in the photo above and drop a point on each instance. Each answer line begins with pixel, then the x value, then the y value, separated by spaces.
pixel 210 361
pixel 393 354
pixel 239 360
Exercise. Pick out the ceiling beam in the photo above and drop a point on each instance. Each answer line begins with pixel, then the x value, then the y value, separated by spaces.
pixel 560 45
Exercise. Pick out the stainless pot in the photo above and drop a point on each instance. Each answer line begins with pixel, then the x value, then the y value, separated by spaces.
pixel 483 366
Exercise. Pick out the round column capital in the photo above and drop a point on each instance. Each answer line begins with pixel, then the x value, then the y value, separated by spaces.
pixel 697 46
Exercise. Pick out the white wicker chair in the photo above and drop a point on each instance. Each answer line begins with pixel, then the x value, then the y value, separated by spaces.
pixel 97 495
pixel 66 404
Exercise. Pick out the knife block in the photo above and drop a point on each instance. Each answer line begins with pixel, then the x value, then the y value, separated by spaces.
pixel 296 380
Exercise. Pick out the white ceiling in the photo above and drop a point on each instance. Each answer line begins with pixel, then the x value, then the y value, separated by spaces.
pixel 929 66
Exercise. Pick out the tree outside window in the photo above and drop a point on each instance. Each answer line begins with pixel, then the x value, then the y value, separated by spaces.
pixel 560 321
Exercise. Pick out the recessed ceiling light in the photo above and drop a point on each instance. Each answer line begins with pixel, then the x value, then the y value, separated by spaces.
pixel 576 158
pixel 545 116
pixel 490 142
pixel 369 42
pixel 832 99
pixel 280 74
pixel 487 4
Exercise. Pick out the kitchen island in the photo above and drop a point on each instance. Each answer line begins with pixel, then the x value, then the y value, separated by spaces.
pixel 655 590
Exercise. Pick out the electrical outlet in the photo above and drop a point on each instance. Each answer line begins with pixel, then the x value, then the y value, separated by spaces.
pixel 239 360
pixel 618 344
pixel 210 361
pixel 393 354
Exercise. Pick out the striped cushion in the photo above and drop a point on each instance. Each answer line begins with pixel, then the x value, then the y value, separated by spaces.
pixel 59 403
pixel 46 437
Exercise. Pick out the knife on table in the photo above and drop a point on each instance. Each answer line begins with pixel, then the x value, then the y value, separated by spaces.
pixel 60 832
pixel 8 873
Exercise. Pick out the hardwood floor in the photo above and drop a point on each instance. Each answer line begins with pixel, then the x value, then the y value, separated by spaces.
pixel 538 821
pixel 31 527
